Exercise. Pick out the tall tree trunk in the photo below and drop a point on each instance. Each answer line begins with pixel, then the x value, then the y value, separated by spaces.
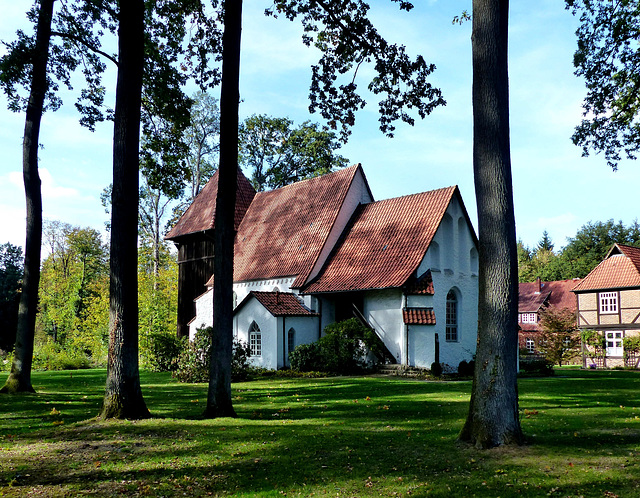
pixel 219 395
pixel 20 377
pixel 493 411
pixel 123 395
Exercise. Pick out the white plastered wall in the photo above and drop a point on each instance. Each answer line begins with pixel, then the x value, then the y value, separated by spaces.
pixel 454 265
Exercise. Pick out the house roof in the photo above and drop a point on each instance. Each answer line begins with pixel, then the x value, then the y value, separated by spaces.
pixel 385 243
pixel 284 230
pixel 278 303
pixel 421 285
pixel 418 316
pixel 620 269
pixel 200 215
pixel 532 295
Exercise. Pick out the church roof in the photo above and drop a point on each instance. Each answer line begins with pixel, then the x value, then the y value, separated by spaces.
pixel 279 303
pixel 284 230
pixel 385 243
pixel 620 269
pixel 200 216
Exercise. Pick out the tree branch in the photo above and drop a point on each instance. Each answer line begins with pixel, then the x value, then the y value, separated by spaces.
pixel 88 45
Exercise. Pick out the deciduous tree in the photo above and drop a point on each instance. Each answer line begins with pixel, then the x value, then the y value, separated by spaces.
pixel 277 154
pixel 559 339
pixel 11 267
pixel 608 57
pixel 493 417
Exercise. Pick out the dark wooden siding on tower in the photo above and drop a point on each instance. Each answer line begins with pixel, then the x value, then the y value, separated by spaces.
pixel 195 267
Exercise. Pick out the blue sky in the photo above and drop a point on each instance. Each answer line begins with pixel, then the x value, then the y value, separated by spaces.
pixel 555 189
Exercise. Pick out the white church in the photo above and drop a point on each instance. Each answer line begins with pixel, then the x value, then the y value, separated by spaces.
pixel 322 250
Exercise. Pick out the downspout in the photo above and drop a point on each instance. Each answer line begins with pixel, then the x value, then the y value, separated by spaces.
pixel 405 332
pixel 319 318
pixel 284 341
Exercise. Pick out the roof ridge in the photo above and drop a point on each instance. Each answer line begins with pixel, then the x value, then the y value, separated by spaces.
pixel 300 182
pixel 451 187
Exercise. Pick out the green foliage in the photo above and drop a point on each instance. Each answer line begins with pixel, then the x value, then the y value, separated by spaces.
pixel 559 338
pixel 579 256
pixel 436 369
pixel 346 39
pixel 162 352
pixel 277 154
pixel 532 365
pixel 631 345
pixel 341 350
pixel 194 359
pixel 465 368
pixel 73 286
pixel 52 356
pixel 11 268
pixel 608 57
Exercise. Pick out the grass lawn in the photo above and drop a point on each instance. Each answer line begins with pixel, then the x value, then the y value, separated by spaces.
pixel 346 436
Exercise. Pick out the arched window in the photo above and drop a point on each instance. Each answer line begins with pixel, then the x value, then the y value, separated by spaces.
pixel 255 340
pixel 275 289
pixel 473 256
pixel 291 341
pixel 451 334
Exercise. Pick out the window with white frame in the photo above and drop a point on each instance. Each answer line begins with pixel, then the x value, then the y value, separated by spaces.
pixel 451 332
pixel 255 340
pixel 608 302
pixel 530 345
pixel 528 318
pixel 614 343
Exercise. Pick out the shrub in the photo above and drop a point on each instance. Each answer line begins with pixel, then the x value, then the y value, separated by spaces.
pixel 436 369
pixel 536 366
pixel 306 357
pixel 162 352
pixel 52 356
pixel 465 368
pixel 194 360
pixel 342 350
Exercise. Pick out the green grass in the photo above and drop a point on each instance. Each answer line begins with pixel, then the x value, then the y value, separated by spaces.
pixel 347 436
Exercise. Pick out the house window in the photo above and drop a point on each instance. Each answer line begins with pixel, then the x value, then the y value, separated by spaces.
pixel 608 302
pixel 530 345
pixel 255 340
pixel 451 334
pixel 291 341
pixel 528 318
pixel 614 343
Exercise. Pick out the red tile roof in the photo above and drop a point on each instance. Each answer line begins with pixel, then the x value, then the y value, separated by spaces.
pixel 281 303
pixel 200 215
pixel 284 230
pixel 419 316
pixel 532 295
pixel 422 285
pixel 620 269
pixel 386 243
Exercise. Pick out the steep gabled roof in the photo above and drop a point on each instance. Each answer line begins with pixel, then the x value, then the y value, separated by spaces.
pixel 278 303
pixel 620 269
pixel 284 230
pixel 385 243
pixel 200 215
pixel 532 295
